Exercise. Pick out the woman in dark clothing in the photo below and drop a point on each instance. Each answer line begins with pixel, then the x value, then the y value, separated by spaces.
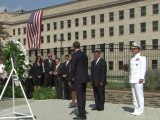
pixel 29 83
pixel 38 72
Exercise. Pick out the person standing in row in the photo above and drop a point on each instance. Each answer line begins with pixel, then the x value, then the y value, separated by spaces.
pixel 79 71
pixel 29 83
pixel 38 72
pixel 49 65
pixel 98 78
pixel 65 74
pixel 58 78
pixel 137 78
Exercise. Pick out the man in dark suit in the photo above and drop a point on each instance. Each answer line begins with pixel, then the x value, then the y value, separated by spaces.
pixel 58 78
pixel 98 78
pixel 49 65
pixel 65 74
pixel 79 71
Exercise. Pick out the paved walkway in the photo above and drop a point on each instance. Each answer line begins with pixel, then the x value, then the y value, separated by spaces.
pixel 58 110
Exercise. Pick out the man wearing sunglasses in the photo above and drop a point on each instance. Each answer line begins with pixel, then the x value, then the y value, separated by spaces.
pixel 137 78
pixel 49 65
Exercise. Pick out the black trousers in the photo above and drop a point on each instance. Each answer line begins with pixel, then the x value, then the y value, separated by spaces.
pixel 81 98
pixel 29 87
pixel 58 86
pixel 99 95
pixel 48 80
pixel 67 90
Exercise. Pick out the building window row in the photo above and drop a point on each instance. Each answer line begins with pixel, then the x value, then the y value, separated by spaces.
pixel 143 28
pixel 154 65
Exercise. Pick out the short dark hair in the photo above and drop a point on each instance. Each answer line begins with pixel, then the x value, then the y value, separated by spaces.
pixel 97 51
pixel 66 56
pixel 58 58
pixel 76 44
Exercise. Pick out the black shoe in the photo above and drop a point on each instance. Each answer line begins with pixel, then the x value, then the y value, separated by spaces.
pixel 94 109
pixel 100 109
pixel 79 118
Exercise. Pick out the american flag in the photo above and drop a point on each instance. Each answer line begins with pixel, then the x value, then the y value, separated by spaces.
pixel 34 29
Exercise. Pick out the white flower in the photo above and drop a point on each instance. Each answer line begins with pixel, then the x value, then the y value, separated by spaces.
pixel 23 52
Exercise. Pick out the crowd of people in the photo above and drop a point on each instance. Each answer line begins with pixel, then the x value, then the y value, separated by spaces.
pixel 70 78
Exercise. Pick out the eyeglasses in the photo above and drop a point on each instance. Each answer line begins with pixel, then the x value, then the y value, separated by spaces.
pixel 49 56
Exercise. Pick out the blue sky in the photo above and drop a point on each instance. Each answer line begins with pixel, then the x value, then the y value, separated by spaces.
pixel 27 5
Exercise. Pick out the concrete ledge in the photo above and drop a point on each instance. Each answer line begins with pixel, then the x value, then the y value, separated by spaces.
pixel 125 97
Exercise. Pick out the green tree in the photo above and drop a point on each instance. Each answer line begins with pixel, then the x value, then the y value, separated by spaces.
pixel 3 33
pixel 3 36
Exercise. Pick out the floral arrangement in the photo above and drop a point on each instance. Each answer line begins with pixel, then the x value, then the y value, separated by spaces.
pixel 16 50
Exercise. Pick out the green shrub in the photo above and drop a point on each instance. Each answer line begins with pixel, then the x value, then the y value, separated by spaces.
pixel 152 80
pixel 8 92
pixel 44 93
pixel 118 86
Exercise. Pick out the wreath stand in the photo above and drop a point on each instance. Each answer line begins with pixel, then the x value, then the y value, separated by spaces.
pixel 16 81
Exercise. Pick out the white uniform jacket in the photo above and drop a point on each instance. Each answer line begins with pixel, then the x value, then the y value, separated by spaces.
pixel 137 68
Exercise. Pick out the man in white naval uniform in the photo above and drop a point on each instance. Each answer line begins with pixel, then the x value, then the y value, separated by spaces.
pixel 137 78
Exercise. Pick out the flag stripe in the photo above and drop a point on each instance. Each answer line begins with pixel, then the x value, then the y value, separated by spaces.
pixel 34 29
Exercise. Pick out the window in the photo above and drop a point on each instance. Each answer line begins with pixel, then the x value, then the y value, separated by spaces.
pixel 130 43
pixel 120 64
pixel 111 31
pixel 55 25
pixel 143 11
pixel 84 20
pixel 69 23
pixel 102 47
pixel 131 13
pixel 24 41
pixel 48 51
pixel 111 47
pixel 69 36
pixel 121 15
pixel 84 49
pixel 155 43
pixel 84 34
pixel 131 28
pixel 143 44
pixel 121 30
pixel 154 64
pixel 30 53
pixel 121 46
pixel 61 24
pixel 155 8
pixel 24 30
pixel 93 33
pixel 19 31
pixel 101 32
pixel 93 21
pixel 110 65
pixel 143 27
pixel 48 38
pixel 42 39
pixel 111 16
pixel 55 51
pixel 48 26
pixel 101 18
pixel 41 52
pixel 76 35
pixel 76 22
pixel 62 36
pixel 55 38
pixel 93 48
pixel 155 25
pixel 42 27
pixel 14 32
